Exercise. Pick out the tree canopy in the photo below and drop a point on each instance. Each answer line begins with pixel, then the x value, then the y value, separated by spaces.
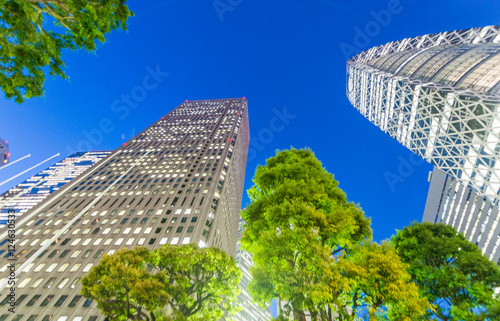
pixel 27 46
pixel 305 238
pixel 450 271
pixel 181 283
pixel 374 278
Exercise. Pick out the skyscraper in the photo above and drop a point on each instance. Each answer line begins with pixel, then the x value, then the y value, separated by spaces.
pixel 35 189
pixel 439 95
pixel 4 152
pixel 178 181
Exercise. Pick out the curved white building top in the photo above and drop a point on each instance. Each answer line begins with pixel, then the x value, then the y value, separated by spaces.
pixel 439 95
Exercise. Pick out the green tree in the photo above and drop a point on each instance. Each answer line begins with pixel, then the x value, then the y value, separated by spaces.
pixel 26 46
pixel 299 228
pixel 450 271
pixel 374 277
pixel 204 282
pixel 181 283
pixel 123 287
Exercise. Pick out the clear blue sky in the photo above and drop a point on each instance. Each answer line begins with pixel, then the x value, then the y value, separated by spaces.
pixel 282 54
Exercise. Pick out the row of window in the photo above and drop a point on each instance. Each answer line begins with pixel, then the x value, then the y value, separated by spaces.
pixel 108 241
pixel 48 300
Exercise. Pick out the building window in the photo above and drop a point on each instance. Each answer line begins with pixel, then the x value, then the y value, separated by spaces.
pixel 75 283
pixel 88 267
pixel 48 284
pixel 75 300
pixel 33 300
pixel 47 301
pixel 24 283
pixel 87 303
pixel 21 299
pixel 37 283
pixel 62 283
pixel 61 300
pixel 63 254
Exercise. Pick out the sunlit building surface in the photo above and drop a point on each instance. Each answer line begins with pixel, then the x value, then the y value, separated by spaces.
pixel 178 181
pixel 468 212
pixel 4 152
pixel 439 95
pixel 35 189
pixel 250 310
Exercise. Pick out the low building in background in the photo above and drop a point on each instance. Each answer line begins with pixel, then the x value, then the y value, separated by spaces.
pixel 35 189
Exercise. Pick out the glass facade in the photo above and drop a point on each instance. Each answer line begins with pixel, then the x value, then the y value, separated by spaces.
pixel 178 181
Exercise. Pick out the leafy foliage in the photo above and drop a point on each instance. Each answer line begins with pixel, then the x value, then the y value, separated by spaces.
pixel 305 239
pixel 124 288
pixel 451 272
pixel 373 277
pixel 204 282
pixel 26 46
pixel 181 283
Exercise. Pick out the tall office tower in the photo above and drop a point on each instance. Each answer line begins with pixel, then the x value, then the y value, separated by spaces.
pixel 178 181
pixel 4 152
pixel 439 95
pixel 250 311
pixel 35 189
pixel 468 212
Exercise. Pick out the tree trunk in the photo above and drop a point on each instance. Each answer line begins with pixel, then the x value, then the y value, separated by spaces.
pixel 299 315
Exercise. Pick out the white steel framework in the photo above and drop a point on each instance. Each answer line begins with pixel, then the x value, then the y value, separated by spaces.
pixel 439 95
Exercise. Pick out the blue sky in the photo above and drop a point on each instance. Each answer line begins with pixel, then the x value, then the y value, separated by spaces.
pixel 285 56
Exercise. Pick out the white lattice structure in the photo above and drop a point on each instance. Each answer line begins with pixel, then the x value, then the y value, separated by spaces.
pixel 439 95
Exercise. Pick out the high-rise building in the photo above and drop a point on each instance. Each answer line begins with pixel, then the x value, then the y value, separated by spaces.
pixel 250 310
pixel 35 189
pixel 468 212
pixel 439 95
pixel 4 152
pixel 178 181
